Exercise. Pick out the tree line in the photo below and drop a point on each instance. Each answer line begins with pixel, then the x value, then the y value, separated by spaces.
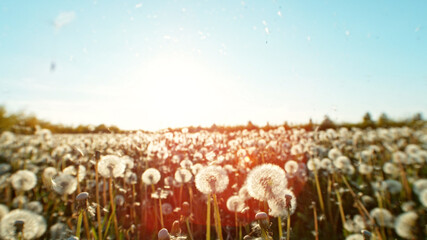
pixel 22 123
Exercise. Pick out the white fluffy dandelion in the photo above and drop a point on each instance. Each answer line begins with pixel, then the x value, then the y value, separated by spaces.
pixel 111 166
pixel 382 217
pixel 23 180
pixel 211 179
pixel 34 224
pixel 235 204
pixel 266 181
pixel 406 225
pixel 283 206
pixel 183 175
pixel 151 176
pixel 64 184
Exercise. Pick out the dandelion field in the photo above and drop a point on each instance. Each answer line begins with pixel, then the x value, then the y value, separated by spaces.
pixel 251 184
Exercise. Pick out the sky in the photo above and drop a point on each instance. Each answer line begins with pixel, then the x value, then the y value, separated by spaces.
pixel 157 64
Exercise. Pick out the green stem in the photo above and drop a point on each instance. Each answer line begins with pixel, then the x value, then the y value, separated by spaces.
pixel 217 218
pixel 288 228
pixel 79 224
pixel 279 225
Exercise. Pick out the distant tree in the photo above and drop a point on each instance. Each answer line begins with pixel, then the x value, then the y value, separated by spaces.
pixel 367 121
pixel 327 123
pixel 383 120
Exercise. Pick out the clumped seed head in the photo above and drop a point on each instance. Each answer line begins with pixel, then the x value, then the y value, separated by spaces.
pixel 266 181
pixel 211 179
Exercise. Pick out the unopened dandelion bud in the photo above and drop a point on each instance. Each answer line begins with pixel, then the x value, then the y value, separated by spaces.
pixel 366 234
pixel 163 234
pixel 262 219
pixel 97 155
pixel 82 196
pixel 176 229
pixel 186 209
pixel 82 201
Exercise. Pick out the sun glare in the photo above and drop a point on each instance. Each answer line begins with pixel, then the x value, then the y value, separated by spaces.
pixel 170 85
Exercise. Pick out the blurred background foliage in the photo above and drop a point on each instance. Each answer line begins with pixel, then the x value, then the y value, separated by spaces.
pixel 23 123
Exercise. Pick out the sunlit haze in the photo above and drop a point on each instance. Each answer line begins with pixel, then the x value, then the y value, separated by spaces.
pixel 158 64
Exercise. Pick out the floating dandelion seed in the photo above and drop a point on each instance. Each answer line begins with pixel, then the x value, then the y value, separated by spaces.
pixel 23 180
pixel 151 176
pixel 211 179
pixel 34 225
pixel 111 166
pixel 266 181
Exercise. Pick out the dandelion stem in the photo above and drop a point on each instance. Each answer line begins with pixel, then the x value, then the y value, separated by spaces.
pixel 288 227
pixel 208 218
pixel 113 206
pixel 190 235
pixel 316 227
pixel 319 192
pixel 79 224
pixel 98 207
pixel 217 218
pixel 279 225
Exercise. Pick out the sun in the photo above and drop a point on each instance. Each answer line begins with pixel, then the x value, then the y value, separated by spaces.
pixel 178 87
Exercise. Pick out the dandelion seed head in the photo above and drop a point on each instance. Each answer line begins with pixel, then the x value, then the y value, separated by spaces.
pixel 393 186
pixel 35 206
pixel 283 206
pixel 3 210
pixel 419 185
pixel 266 181
pixel 23 180
pixel 423 197
pixel 382 217
pixel 235 204
pixel 183 175
pixel 334 153
pixel 151 176
pixel 291 167
pixel 211 179
pixel 406 225
pixel 64 184
pixel 59 230
pixel 391 169
pixel 34 225
pixel 111 166
pixel 354 236
pixel 131 178
pixel 365 169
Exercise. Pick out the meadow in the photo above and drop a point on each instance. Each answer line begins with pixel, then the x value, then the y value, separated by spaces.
pixel 247 184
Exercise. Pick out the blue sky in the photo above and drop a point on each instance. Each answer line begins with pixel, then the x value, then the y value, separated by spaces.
pixel 158 64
